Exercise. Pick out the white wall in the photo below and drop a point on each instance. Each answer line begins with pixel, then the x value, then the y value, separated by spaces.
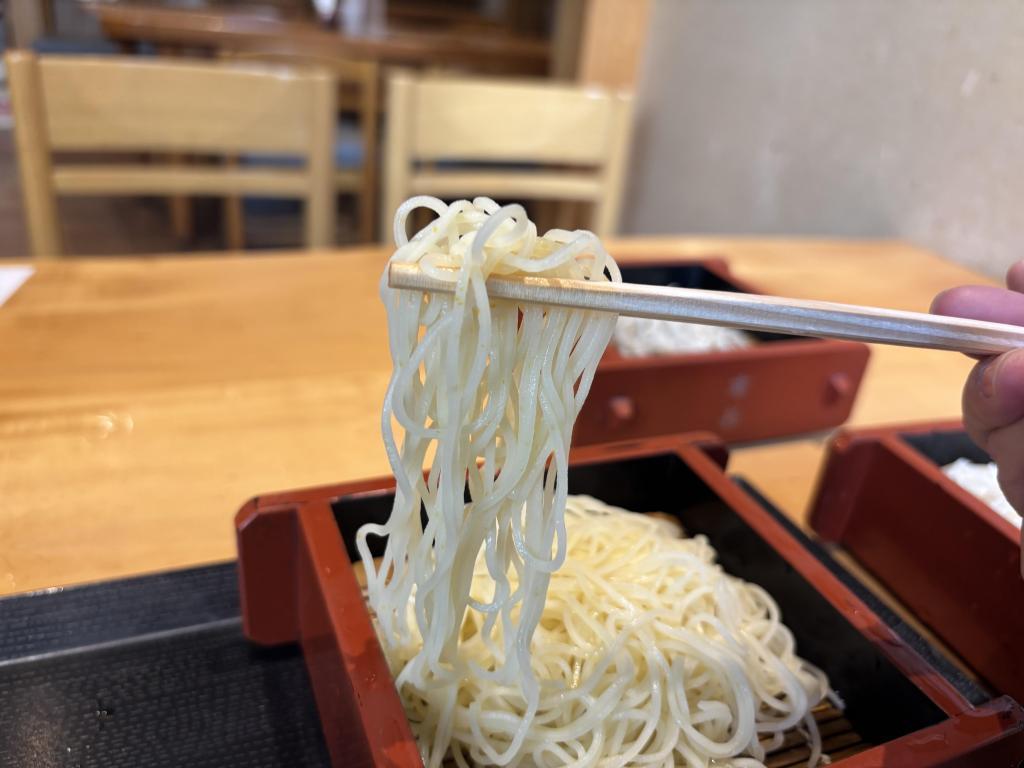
pixel 902 118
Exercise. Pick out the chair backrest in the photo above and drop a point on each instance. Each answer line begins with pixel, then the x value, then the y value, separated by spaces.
pixel 564 142
pixel 358 93
pixel 130 105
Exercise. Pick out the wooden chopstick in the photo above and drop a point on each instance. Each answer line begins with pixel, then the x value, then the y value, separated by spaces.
pixel 742 310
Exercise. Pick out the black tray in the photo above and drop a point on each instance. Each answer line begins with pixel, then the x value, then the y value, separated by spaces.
pixel 155 671
pixel 150 671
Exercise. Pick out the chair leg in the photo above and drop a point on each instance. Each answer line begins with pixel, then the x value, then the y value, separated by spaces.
pixel 234 224
pixel 26 22
pixel 367 215
pixel 181 218
pixel 234 215
pixel 180 207
pixel 566 215
pixel 182 224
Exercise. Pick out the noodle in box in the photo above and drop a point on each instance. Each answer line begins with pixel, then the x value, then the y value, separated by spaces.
pixel 525 626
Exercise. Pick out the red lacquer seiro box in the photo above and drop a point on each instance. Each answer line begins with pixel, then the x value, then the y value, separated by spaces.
pixel 950 559
pixel 782 385
pixel 905 704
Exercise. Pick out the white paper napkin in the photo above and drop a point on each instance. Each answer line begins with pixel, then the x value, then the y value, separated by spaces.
pixel 11 279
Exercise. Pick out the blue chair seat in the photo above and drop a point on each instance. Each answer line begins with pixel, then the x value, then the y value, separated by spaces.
pixel 55 46
pixel 348 153
pixel 348 150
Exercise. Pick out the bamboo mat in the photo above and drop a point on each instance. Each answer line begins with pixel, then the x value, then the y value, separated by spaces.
pixel 838 741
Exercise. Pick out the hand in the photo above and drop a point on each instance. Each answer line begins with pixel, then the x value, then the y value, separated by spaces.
pixel 993 400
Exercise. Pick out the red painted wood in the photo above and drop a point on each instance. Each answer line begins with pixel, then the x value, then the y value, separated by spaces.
pixel 297 584
pixel 905 658
pixel 266 572
pixel 769 390
pixel 362 716
pixel 363 719
pixel 948 557
pixel 991 736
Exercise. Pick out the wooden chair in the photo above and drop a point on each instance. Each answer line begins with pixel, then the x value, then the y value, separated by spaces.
pixel 358 95
pixel 129 106
pixel 362 77
pixel 28 20
pixel 557 142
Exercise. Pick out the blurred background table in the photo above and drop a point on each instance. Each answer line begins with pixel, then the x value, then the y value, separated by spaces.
pixel 389 33
pixel 143 400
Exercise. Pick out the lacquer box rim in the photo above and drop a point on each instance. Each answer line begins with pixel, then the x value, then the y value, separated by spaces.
pixel 298 585
pixel 935 546
pixel 775 388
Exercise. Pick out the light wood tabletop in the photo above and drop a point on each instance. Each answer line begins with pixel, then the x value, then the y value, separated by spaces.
pixel 143 400
pixel 417 43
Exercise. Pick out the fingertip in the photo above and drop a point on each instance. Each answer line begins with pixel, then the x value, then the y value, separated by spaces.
pixel 994 395
pixel 981 302
pixel 1015 277
pixel 1000 380
pixel 971 301
pixel 943 302
pixel 1012 359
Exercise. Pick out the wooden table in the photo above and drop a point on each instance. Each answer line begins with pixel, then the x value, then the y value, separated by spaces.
pixel 142 401
pixel 221 27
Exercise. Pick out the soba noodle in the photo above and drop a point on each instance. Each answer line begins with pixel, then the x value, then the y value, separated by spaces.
pixel 523 626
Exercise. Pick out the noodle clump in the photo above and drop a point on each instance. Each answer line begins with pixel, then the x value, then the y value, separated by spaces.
pixel 524 626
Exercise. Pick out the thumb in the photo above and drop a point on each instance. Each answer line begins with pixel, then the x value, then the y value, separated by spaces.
pixel 994 395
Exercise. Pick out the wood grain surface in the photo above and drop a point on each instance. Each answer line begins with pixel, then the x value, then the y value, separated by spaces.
pixel 143 400
pixel 497 51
